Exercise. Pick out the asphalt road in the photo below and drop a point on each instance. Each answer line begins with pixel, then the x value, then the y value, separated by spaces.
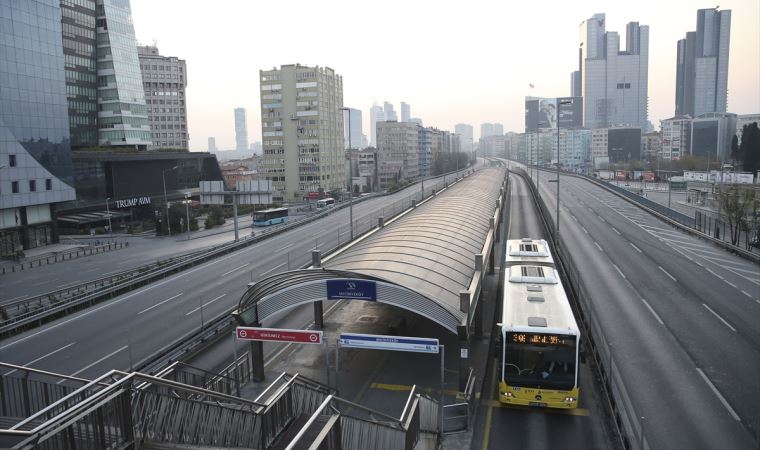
pixel 133 326
pixel 502 427
pixel 680 315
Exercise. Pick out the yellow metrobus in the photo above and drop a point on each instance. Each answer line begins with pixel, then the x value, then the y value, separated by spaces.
pixel 540 339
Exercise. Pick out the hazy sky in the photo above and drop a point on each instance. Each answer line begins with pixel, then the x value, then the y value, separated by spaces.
pixel 468 61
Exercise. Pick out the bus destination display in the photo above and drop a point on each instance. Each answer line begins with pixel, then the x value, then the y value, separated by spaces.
pixel 541 339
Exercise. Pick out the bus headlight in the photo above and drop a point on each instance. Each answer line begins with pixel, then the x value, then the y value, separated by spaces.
pixel 570 399
pixel 508 394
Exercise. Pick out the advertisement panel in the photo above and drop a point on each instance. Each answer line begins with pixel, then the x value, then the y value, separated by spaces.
pixel 620 175
pixel 543 113
pixel 648 176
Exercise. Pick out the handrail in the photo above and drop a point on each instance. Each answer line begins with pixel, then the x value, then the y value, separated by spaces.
pixel 308 424
pixel 42 372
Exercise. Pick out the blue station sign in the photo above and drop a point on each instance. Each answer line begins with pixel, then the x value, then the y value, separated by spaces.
pixel 351 289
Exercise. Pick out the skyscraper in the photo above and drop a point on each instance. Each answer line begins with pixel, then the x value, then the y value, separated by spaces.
pixel 486 129
pixel 575 84
pixel 355 123
pixel 405 112
pixel 35 154
pixel 390 113
pixel 702 65
pixel 614 83
pixel 164 81
pixel 465 132
pixel 122 116
pixel 212 145
pixel 376 114
pixel 241 130
pixel 302 128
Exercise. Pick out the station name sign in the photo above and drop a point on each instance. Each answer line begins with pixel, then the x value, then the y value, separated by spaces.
pixel 130 202
pixel 278 335
pixel 351 289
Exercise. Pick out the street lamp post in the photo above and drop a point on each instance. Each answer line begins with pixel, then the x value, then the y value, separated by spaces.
pixel 559 107
pixel 108 213
pixel 350 182
pixel 166 202
pixel 187 213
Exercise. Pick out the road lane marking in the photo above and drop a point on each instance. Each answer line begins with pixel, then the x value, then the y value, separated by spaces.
pixel 636 248
pixel 273 268
pixel 619 271
pixel 747 294
pixel 159 303
pixel 584 229
pixel 713 272
pixel 601 218
pixel 206 304
pixel 598 246
pixel 720 318
pixel 616 231
pixel 236 268
pixel 287 246
pixel 668 274
pixel 651 310
pixel 96 362
pixel 42 357
pixel 574 218
pixel 729 283
pixel 720 397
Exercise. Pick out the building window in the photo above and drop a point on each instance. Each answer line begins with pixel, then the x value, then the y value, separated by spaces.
pixel 49 184
pixel 12 160
pixel 14 187
pixel 32 185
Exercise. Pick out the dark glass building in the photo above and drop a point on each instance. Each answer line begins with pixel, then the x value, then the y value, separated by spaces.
pixel 35 152
pixel 624 144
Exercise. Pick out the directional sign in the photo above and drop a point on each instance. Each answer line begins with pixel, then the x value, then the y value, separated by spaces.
pixel 279 335
pixel 396 343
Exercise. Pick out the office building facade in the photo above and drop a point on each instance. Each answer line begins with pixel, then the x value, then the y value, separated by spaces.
pixel 390 113
pixel 35 152
pixel 302 128
pixel 164 80
pixel 702 65
pixel 241 129
pixel 614 83
pixel 711 135
pixel 352 128
pixel 397 152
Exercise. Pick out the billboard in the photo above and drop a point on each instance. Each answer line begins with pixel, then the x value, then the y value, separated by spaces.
pixel 543 113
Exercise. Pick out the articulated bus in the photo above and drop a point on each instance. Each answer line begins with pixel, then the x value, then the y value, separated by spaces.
pixel 271 216
pixel 540 339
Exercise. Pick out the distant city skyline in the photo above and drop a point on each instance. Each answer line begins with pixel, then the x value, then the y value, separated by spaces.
pixel 442 95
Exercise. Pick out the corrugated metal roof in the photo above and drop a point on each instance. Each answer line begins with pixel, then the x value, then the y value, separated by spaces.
pixel 432 249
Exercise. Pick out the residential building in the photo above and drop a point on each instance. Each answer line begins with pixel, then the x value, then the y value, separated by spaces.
pixel 376 114
pixel 256 148
pixel 405 112
pixel 465 132
pixel 651 145
pixel 676 137
pixel 416 120
pixel 745 119
pixel 390 113
pixel 241 129
pixel 514 145
pixel 302 128
pixel 425 150
pixel 363 168
pixel 599 145
pixel 352 118
pixel 235 171
pixel 397 152
pixel 614 83
pixel 702 65
pixel 711 135
pixel 574 148
pixel 164 80
pixel 35 154
pixel 212 145
pixel 493 145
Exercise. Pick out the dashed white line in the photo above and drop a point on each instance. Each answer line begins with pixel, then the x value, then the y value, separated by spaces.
pixel 273 268
pixel 636 248
pixel 656 316
pixel 616 231
pixel 206 304
pixel 97 362
pixel 720 397
pixel 619 271
pixel 714 273
pixel 668 274
pixel 236 268
pixel 159 304
pixel 584 230
pixel 287 246
pixel 598 246
pixel 601 218
pixel 747 294
pixel 729 283
pixel 42 357
pixel 719 318
pixel 574 218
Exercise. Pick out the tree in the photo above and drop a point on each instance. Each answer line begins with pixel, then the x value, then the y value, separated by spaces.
pixel 748 152
pixel 738 203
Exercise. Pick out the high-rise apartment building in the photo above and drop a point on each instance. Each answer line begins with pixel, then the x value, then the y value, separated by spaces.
pixel 302 127
pixel 212 145
pixel 35 154
pixel 376 114
pixel 676 137
pixel 465 132
pixel 702 65
pixel 614 83
pixel 122 115
pixel 241 129
pixel 651 145
pixel 352 121
pixel 164 81
pixel 405 112
pixel 397 152
pixel 390 113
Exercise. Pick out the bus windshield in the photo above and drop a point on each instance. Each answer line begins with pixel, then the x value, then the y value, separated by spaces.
pixel 540 360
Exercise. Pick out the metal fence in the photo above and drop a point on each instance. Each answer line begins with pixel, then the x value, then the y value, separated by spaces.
pixel 65 255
